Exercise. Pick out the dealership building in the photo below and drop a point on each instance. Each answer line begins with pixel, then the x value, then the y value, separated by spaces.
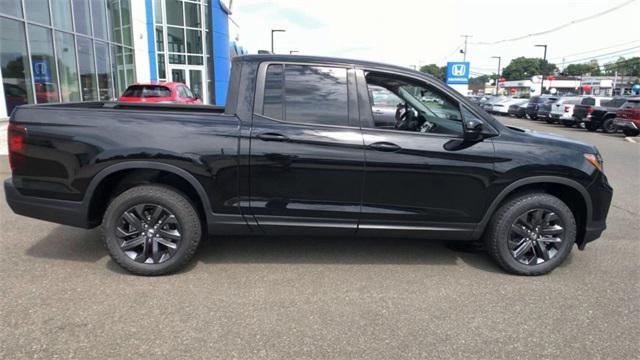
pixel 91 50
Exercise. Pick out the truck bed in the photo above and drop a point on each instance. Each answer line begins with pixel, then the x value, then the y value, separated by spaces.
pixel 133 106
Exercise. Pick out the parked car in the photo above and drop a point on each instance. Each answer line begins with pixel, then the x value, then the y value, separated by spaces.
pixel 296 151
pixel 582 110
pixel 628 117
pixel 603 116
pixel 562 110
pixel 384 106
pixel 519 110
pixel 536 103
pixel 488 104
pixel 162 92
pixel 502 107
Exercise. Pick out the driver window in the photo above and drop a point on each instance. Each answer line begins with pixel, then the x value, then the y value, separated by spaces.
pixel 412 106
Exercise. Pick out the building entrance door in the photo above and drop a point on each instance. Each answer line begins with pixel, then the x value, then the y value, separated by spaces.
pixel 192 77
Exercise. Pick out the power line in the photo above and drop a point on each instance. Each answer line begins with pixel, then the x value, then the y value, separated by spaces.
pixel 613 54
pixel 594 50
pixel 559 27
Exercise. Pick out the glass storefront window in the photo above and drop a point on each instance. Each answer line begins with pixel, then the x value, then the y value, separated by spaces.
pixel 11 8
pixel 162 71
pixel 195 60
pixel 82 16
pixel 129 66
pixel 16 71
pixel 99 19
pixel 125 8
pixel 45 79
pixel 37 11
pixel 159 39
pixel 175 39
pixel 192 15
pixel 174 12
pixel 105 84
pixel 67 66
pixel 61 12
pixel 194 41
pixel 116 62
pixel 157 5
pixel 176 59
pixel 87 69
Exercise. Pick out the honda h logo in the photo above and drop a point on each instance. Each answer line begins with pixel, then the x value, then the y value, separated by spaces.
pixel 457 72
pixel 459 69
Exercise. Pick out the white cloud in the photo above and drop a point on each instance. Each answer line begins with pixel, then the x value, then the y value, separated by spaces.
pixel 408 32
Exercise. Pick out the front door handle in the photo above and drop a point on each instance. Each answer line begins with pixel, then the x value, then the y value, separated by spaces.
pixel 385 146
pixel 273 137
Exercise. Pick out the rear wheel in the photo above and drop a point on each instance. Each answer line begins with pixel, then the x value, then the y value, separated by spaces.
pixel 549 120
pixel 609 126
pixel 567 123
pixel 151 230
pixel 531 234
pixel 591 126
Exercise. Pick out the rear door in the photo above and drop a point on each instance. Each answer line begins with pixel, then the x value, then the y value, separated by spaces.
pixel 306 156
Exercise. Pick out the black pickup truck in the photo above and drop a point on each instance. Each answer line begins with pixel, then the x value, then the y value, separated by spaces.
pixel 296 151
pixel 599 113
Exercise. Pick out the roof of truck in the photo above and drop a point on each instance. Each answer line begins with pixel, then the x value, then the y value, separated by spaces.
pixel 327 60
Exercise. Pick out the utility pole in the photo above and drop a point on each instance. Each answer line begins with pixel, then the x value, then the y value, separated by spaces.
pixel 544 75
pixel 274 31
pixel 498 78
pixel 464 53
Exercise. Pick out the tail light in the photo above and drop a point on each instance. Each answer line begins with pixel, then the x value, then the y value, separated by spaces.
pixel 567 108
pixel 589 109
pixel 17 136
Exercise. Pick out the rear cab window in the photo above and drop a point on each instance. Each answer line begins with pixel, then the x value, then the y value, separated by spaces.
pixel 306 94
pixel 147 91
pixel 588 101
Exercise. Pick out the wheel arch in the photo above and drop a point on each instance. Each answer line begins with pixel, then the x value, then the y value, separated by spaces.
pixel 97 196
pixel 569 191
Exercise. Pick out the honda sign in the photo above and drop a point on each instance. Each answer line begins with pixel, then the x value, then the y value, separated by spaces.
pixel 457 73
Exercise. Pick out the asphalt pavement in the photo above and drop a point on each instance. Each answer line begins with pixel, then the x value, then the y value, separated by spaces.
pixel 315 298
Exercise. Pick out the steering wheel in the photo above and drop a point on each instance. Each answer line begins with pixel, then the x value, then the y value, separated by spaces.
pixel 404 117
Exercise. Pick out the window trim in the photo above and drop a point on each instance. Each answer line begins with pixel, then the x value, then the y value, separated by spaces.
pixel 258 101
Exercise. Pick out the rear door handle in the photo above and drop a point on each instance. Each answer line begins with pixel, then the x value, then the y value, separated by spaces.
pixel 385 146
pixel 272 137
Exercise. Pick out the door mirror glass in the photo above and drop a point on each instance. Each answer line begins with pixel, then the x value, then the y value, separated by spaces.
pixel 473 126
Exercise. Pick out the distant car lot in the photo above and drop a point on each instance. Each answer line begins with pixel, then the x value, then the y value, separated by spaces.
pixel 322 298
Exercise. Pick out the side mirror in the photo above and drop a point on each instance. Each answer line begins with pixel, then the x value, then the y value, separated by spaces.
pixel 472 130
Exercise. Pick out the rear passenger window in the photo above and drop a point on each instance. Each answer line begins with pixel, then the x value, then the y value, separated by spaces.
pixel 588 101
pixel 306 94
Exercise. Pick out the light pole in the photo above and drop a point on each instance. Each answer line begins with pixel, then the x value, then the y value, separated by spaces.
pixel 464 52
pixel 274 31
pixel 544 72
pixel 498 78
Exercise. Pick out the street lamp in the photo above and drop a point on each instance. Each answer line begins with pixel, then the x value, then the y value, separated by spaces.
pixel 498 78
pixel 274 31
pixel 544 60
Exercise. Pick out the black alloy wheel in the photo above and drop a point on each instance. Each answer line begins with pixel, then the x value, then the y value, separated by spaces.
pixel 536 236
pixel 149 233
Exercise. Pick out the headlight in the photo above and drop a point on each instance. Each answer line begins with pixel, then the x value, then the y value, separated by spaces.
pixel 595 160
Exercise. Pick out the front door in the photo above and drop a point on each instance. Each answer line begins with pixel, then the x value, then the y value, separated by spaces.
pixel 307 158
pixel 192 76
pixel 421 177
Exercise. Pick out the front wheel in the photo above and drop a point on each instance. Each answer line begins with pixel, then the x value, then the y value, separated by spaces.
pixel 631 132
pixel 151 230
pixel 609 126
pixel 591 126
pixel 531 234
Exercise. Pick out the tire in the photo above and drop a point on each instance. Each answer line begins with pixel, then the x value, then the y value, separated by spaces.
pixel 631 132
pixel 501 240
pixel 567 123
pixel 130 217
pixel 609 126
pixel 591 126
pixel 549 120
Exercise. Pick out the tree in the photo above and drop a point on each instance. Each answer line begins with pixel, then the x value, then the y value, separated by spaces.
pixel 626 67
pixel 439 72
pixel 524 68
pixel 592 69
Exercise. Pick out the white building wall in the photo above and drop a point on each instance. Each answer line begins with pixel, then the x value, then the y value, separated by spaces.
pixel 140 41
pixel 3 102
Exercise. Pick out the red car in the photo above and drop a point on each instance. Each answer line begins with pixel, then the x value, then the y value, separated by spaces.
pixel 628 117
pixel 167 92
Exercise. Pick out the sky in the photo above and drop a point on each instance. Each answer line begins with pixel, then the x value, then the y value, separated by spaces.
pixel 419 32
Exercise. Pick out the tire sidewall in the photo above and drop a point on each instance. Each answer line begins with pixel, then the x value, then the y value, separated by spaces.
pixel 541 202
pixel 167 198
